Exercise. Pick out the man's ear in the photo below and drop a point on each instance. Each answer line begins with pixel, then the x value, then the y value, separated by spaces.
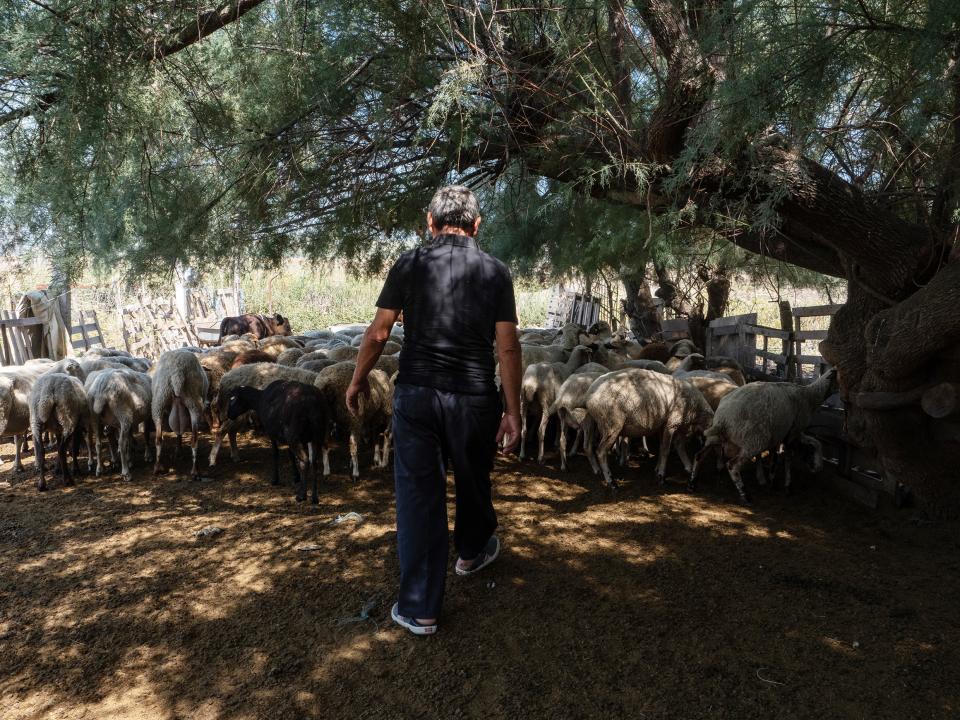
pixel 430 222
pixel 476 225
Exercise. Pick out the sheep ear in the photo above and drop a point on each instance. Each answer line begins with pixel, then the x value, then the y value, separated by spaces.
pixel 279 318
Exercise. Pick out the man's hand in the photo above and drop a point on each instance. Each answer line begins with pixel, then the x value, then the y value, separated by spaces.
pixel 509 432
pixel 354 391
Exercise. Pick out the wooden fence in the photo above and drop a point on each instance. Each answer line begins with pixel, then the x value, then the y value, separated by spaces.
pixel 17 344
pixel 776 354
pixel 803 357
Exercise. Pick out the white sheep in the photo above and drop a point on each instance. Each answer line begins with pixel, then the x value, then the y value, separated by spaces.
pixel 640 403
pixel 713 385
pixel 180 390
pixel 256 375
pixel 374 417
pixel 762 416
pixel 570 406
pixel 557 351
pixel 654 365
pixel 58 405
pixel 120 399
pixel 290 356
pixel 343 353
pixel 312 355
pixel 540 385
pixel 15 384
pixel 67 366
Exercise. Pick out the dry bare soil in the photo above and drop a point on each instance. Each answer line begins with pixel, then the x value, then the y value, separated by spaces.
pixel 650 604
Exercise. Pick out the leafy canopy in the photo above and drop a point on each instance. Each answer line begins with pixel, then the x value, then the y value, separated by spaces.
pixel 143 133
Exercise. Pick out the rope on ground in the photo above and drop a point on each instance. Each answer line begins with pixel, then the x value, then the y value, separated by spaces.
pixel 762 678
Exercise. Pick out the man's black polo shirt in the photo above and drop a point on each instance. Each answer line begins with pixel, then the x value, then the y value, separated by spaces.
pixel 452 295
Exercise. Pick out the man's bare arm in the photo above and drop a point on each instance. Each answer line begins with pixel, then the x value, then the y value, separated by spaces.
pixel 509 355
pixel 374 338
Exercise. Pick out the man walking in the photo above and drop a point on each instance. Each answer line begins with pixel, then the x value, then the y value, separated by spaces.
pixel 455 301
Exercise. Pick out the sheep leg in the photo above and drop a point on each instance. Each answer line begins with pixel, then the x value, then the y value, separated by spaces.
pixel 817 464
pixel 697 462
pixel 376 453
pixel 665 440
pixel 124 448
pixel 354 462
pixel 589 448
pixel 227 427
pixel 578 436
pixel 74 451
pixel 563 446
pixel 18 442
pixel 680 443
pixel 312 469
pixel 786 470
pixel 62 458
pixel 146 442
pixel 195 415
pixel 326 460
pixel 761 475
pixel 734 467
pixel 157 441
pixel 385 455
pixel 301 469
pixel 39 460
pixel 96 446
pixel 603 450
pixel 624 451
pixel 276 462
pixel 523 429
pixel 88 441
pixel 542 434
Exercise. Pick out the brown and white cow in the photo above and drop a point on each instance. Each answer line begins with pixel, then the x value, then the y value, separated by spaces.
pixel 260 326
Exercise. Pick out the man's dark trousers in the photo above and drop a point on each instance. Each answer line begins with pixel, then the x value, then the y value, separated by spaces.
pixel 429 427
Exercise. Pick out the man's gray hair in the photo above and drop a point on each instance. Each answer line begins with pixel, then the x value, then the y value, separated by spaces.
pixel 454 205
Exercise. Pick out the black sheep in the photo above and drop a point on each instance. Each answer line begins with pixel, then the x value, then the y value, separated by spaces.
pixel 293 413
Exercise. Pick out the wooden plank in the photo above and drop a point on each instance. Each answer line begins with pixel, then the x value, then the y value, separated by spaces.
pixel 21 322
pixel 83 333
pixel 778 358
pixel 726 330
pixel 815 310
pixel 802 335
pixel 811 360
pixel 767 331
pixel 8 355
pixel 870 497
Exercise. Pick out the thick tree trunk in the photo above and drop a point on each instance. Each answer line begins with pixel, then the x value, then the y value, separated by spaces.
pixel 718 294
pixel 638 304
pixel 885 351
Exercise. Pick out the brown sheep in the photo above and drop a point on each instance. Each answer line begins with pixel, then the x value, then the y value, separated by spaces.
pixel 654 351
pixel 252 356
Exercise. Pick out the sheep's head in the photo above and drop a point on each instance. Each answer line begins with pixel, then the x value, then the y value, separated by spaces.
pixel 239 402
pixel 582 354
pixel 282 325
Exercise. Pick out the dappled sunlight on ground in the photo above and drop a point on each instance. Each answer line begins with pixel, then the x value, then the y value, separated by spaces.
pixel 648 602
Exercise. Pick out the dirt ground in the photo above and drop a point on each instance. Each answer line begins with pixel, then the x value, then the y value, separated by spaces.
pixel 650 604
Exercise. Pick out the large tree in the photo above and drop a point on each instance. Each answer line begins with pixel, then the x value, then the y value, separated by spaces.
pixel 824 134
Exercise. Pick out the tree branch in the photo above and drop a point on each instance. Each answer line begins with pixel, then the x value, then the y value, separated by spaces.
pixel 206 24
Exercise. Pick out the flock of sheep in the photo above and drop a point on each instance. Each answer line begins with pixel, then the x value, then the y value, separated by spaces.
pixel 603 388
pixel 610 389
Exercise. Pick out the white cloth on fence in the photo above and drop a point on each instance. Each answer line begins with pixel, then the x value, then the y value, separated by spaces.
pixel 56 335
